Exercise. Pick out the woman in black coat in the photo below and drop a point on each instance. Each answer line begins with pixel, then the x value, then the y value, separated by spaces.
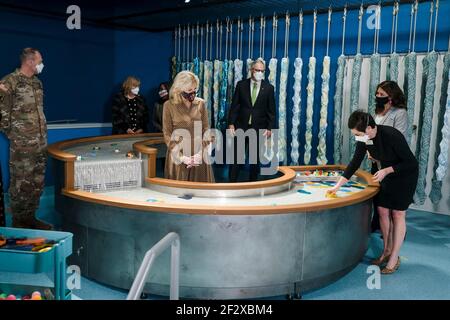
pixel 397 175
pixel 129 110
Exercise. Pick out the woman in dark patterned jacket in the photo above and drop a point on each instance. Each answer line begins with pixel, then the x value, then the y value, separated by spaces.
pixel 129 110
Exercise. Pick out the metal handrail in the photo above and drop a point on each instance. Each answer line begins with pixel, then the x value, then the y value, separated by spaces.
pixel 171 239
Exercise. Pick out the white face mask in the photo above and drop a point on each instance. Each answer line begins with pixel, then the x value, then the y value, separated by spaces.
pixel 363 138
pixel 39 67
pixel 259 76
pixel 135 91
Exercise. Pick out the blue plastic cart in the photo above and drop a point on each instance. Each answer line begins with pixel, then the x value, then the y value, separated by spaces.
pixel 53 260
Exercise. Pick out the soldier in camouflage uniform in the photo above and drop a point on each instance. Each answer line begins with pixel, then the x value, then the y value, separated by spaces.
pixel 23 122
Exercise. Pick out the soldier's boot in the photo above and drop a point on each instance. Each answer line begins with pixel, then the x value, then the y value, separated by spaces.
pixel 30 222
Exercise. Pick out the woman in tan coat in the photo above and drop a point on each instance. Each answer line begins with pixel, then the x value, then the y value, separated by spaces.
pixel 185 121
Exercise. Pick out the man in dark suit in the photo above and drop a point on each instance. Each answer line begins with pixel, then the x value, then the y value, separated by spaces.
pixel 253 107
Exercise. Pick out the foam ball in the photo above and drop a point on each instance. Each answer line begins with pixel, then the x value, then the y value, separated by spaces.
pixel 11 297
pixel 36 297
pixel 36 293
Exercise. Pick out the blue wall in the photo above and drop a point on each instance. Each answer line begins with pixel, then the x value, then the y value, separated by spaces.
pixel 146 56
pixel 79 65
pixel 83 69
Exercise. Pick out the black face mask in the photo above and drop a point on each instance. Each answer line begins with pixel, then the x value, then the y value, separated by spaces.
pixel 381 102
pixel 189 96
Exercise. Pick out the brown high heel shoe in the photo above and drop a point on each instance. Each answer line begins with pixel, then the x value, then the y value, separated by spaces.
pixel 379 261
pixel 390 271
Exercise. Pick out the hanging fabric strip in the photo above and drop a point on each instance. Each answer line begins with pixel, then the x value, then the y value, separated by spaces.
pixel 262 37
pixel 420 196
pixel 238 63
pixel 298 64
pixel 217 77
pixel 191 60
pixel 393 67
pixel 196 66
pixel 431 24
pixel 210 42
pixel 207 86
pixel 221 117
pixel 338 102
pixel 338 97
pixel 192 48
pixel 442 137
pixel 356 75
pixel 251 29
pixel 238 67
pixel 375 65
pixel 196 60
pixel 178 67
pixel 436 183
pixel 230 84
pixel 223 96
pixel 282 149
pixel 189 64
pixel 443 160
pixel 394 59
pixel 310 98
pixel 388 60
pixel 273 61
pixel 425 65
pixel 216 89
pixel 354 96
pixel 174 57
pixel 410 92
pixel 322 146
pixel 410 74
pixel 202 66
pixel 425 79
pixel 183 64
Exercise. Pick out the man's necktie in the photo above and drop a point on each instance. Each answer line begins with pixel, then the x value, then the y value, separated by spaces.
pixel 254 91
